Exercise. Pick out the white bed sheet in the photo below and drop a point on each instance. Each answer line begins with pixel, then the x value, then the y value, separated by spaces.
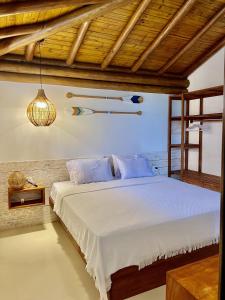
pixel 59 188
pixel 136 221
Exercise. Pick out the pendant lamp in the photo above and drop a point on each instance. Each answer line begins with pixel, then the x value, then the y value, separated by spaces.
pixel 41 111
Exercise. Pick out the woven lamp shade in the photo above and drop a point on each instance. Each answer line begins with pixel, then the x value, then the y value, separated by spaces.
pixel 16 180
pixel 41 111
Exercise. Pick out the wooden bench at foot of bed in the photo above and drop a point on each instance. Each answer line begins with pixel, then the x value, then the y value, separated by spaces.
pixel 131 281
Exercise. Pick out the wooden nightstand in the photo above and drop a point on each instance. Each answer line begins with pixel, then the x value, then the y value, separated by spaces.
pixel 28 196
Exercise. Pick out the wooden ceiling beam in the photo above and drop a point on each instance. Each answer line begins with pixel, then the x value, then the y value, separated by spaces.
pixel 118 86
pixel 126 31
pixel 18 30
pixel 77 42
pixel 191 43
pixel 209 53
pixel 86 66
pixel 14 8
pixel 163 34
pixel 32 68
pixel 79 15
pixel 29 52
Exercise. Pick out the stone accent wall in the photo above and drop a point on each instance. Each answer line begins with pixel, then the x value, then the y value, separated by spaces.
pixel 46 173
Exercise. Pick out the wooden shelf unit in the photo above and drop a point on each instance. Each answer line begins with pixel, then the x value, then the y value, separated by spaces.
pixel 205 117
pixel 28 196
pixel 185 118
pixel 193 146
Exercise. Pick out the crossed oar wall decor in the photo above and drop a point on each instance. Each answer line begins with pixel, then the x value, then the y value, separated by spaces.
pixel 79 111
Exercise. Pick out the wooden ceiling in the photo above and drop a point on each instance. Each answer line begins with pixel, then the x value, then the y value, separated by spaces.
pixel 138 45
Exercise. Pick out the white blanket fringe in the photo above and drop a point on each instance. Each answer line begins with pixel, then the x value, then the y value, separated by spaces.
pixel 172 253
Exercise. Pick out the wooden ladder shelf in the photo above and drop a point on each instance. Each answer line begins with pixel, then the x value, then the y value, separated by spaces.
pixel 185 118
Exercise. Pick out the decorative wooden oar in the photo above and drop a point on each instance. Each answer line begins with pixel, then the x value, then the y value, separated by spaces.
pixel 134 99
pixel 78 111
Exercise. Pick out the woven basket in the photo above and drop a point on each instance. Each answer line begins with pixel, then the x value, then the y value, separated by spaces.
pixel 16 180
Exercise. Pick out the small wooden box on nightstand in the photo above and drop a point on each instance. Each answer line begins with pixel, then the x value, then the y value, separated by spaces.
pixel 28 196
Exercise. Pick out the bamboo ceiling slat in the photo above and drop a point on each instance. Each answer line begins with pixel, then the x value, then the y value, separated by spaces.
pixel 170 3
pixel 61 41
pixel 192 43
pixel 96 45
pixel 165 56
pixel 55 46
pixel 197 50
pixel 93 41
pixel 20 51
pixel 210 3
pixel 190 25
pixel 160 10
pixel 34 17
pixel 47 51
pixel 153 21
pixel 212 36
pixel 172 43
pixel 58 38
pixel 161 59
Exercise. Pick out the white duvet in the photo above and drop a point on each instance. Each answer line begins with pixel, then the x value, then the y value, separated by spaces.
pixel 121 223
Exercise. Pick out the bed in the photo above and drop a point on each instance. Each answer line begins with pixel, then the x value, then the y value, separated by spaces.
pixel 132 231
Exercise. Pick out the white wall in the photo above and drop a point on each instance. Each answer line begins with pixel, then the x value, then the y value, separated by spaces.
pixel 208 75
pixel 71 137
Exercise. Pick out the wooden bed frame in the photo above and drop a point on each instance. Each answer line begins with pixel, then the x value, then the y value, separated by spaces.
pixel 131 281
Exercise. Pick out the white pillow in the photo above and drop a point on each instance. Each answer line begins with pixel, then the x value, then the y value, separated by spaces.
pixel 134 167
pixel 115 163
pixel 89 170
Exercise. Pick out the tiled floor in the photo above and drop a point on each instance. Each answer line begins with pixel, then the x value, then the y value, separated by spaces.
pixel 41 263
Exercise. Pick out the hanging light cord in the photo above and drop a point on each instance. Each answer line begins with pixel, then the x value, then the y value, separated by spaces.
pixel 40 63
